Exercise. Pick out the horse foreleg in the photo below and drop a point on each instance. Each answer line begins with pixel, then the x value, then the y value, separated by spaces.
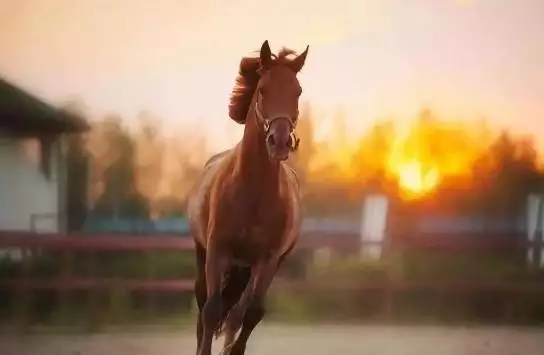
pixel 250 307
pixel 252 318
pixel 254 314
pixel 200 295
pixel 200 290
pixel 228 343
pixel 211 312
pixel 233 290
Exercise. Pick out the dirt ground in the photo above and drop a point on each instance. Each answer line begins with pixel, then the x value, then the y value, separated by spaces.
pixel 296 340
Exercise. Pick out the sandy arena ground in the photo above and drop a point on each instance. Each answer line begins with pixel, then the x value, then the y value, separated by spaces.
pixel 296 340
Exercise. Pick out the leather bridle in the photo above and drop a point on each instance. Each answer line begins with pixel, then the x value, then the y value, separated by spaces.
pixel 267 122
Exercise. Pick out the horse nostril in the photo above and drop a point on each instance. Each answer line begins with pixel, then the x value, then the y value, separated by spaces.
pixel 271 140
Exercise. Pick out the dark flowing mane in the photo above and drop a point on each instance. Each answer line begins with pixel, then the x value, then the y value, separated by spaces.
pixel 247 81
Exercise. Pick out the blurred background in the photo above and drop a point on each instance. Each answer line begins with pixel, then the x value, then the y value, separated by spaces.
pixel 420 158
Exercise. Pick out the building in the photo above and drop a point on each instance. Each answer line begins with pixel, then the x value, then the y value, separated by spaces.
pixel 32 173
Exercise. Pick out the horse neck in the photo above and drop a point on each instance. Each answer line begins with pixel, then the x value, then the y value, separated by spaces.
pixel 253 164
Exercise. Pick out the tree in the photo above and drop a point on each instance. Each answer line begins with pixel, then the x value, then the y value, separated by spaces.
pixel 372 154
pixel 150 148
pixel 77 160
pixel 507 173
pixel 116 173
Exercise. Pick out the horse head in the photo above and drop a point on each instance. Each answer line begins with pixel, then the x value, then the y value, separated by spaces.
pixel 269 84
pixel 276 105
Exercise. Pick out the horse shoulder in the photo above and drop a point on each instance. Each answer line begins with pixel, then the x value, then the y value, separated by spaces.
pixel 216 157
pixel 290 181
pixel 292 198
pixel 199 198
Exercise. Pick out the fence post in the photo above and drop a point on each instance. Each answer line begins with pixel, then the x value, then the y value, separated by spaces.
pixel 389 292
pixel 93 296
pixel 374 229
pixel 535 217
pixel 24 293
pixel 374 225
pixel 64 291
pixel 151 304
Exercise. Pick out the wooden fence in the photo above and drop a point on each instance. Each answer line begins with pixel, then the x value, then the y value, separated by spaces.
pixel 71 247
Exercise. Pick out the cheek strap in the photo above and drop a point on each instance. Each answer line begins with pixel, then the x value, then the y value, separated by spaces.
pixel 266 122
pixel 295 141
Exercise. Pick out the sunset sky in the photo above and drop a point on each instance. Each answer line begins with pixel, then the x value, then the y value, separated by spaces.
pixel 177 58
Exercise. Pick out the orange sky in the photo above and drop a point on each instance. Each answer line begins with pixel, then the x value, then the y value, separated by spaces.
pixel 464 58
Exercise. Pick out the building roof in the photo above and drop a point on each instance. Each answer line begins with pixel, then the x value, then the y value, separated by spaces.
pixel 24 114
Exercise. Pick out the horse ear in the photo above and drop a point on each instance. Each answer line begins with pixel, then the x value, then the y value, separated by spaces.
pixel 299 61
pixel 266 54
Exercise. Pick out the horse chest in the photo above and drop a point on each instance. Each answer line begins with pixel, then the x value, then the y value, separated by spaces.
pixel 261 224
pixel 256 211
pixel 251 223
pixel 256 241
pixel 258 232
pixel 263 230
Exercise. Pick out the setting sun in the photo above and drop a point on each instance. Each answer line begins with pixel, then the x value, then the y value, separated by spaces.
pixel 414 181
pixel 416 157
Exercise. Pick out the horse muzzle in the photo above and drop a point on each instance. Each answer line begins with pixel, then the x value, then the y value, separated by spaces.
pixel 281 139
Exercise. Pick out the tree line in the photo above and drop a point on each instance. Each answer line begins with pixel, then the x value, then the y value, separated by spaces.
pixel 137 171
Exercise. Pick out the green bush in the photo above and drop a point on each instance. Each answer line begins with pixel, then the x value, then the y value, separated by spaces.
pixel 455 267
pixel 321 300
pixel 332 291
pixel 109 307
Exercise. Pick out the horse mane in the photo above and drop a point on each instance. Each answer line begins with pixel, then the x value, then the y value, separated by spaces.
pixel 248 79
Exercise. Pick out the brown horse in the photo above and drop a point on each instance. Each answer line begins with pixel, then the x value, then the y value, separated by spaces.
pixel 244 211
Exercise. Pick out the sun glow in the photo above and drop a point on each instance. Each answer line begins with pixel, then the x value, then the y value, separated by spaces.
pixel 416 158
pixel 414 180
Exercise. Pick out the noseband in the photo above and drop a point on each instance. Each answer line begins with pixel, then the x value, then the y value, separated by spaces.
pixel 267 122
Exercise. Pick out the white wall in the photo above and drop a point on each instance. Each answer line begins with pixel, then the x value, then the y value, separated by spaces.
pixel 24 191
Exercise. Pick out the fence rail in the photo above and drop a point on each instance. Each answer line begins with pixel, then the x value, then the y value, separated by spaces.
pixel 29 243
pixel 114 242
